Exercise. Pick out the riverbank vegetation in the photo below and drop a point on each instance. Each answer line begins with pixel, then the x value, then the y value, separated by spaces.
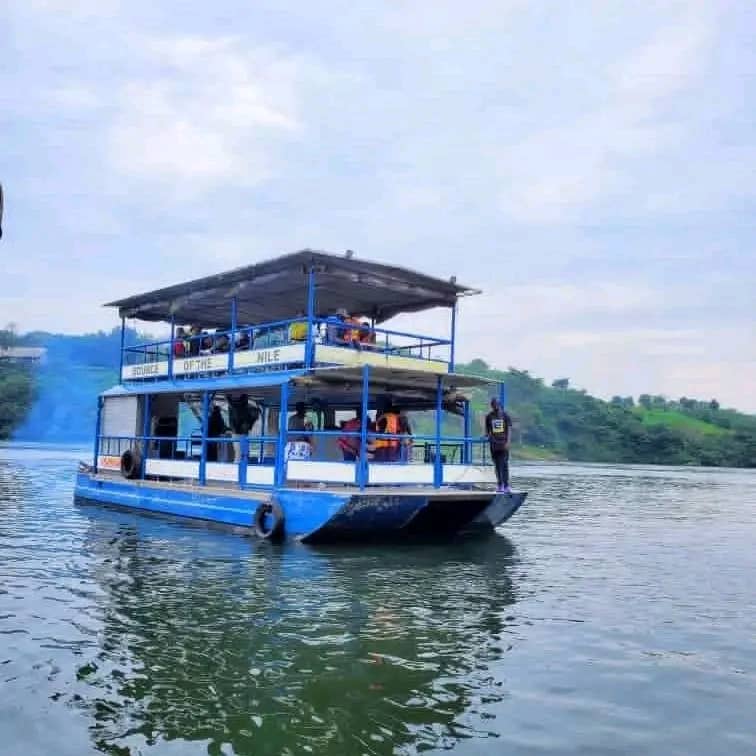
pixel 56 402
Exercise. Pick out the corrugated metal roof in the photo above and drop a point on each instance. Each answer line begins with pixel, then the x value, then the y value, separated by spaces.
pixel 277 290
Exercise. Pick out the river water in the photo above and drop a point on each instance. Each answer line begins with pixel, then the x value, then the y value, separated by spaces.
pixel 616 614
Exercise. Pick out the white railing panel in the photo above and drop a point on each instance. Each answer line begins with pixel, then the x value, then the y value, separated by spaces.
pixel 320 472
pixel 389 474
pixel 468 474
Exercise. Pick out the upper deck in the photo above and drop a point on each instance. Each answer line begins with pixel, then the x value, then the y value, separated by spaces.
pixel 288 313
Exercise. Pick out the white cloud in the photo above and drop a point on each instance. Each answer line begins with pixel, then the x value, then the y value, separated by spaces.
pixel 213 113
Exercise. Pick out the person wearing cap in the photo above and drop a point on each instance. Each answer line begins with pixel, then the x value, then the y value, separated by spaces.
pixel 499 433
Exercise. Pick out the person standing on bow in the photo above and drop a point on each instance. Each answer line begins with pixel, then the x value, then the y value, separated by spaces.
pixel 499 433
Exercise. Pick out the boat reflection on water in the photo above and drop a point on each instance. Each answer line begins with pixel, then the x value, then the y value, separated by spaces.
pixel 215 644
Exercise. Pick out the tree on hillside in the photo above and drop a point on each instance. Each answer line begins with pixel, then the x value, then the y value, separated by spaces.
pixel 645 401
pixel 561 383
pixel 714 405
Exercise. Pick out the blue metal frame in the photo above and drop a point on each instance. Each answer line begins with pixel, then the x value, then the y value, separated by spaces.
pixel 232 339
pixel 437 468
pixel 283 419
pixel 467 418
pixel 147 413
pixel 362 463
pixel 123 338
pixel 171 348
pixel 502 395
pixel 203 453
pixel 453 337
pixel 98 429
pixel 310 343
pixel 244 459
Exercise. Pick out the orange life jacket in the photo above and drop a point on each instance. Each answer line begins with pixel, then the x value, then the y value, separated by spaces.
pixel 351 443
pixel 352 333
pixel 392 426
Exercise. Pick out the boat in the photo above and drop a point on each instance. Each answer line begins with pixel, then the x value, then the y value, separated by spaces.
pixel 280 414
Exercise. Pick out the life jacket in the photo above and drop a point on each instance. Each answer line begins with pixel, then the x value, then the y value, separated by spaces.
pixel 392 426
pixel 350 444
pixel 352 332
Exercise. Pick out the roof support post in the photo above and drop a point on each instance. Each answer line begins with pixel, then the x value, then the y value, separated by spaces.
pixel 502 395
pixel 123 337
pixel 310 343
pixel 171 348
pixel 146 427
pixel 98 428
pixel 280 472
pixel 437 467
pixel 232 337
pixel 362 463
pixel 453 337
pixel 467 449
pixel 203 453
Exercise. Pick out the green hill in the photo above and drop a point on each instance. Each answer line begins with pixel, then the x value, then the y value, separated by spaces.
pixel 57 403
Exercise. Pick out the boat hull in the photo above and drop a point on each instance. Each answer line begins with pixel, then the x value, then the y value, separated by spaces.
pixel 312 515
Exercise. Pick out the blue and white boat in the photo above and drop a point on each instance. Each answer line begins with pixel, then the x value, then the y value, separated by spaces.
pixel 272 337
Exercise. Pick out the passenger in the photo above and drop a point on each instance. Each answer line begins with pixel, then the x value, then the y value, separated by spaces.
pixel 179 347
pixel 216 427
pixel 350 445
pixel 206 343
pixel 367 336
pixel 221 344
pixel 244 340
pixel 298 330
pixel 299 446
pixel 352 333
pixel 387 449
pixel 241 418
pixel 335 329
pixel 405 429
pixel 194 341
pixel 499 432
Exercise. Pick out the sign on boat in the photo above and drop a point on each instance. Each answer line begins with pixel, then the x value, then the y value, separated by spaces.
pixel 282 403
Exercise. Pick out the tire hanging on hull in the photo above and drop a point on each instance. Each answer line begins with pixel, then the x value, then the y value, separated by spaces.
pixel 275 530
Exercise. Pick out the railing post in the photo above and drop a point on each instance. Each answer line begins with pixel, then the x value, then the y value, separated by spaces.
pixel 310 343
pixel 171 347
pixel 232 339
pixel 203 452
pixel 437 467
pixel 243 459
pixel 453 336
pixel 98 429
pixel 280 472
pixel 362 463
pixel 502 395
pixel 467 449
pixel 123 337
pixel 147 416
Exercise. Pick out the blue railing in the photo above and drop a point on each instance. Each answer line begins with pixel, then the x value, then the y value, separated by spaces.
pixel 277 452
pixel 170 354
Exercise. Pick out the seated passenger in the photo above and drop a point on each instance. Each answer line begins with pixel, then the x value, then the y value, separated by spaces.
pixel 221 344
pixel 335 329
pixel 244 339
pixel 350 445
pixel 352 331
pixel 367 336
pixel 206 343
pixel 298 330
pixel 179 347
pixel 194 341
pixel 299 446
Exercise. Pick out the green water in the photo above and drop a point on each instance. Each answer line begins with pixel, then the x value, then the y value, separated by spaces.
pixel 616 614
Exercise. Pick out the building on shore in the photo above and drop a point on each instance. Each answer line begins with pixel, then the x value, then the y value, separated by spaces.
pixel 23 355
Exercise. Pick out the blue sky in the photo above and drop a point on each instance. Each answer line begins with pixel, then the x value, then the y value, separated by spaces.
pixel 591 166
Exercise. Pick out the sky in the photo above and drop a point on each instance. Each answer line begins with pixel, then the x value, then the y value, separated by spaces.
pixel 590 165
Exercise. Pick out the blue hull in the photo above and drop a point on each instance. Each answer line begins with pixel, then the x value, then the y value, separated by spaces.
pixel 312 515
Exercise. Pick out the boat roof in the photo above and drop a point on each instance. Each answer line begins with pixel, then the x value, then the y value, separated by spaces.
pixel 277 290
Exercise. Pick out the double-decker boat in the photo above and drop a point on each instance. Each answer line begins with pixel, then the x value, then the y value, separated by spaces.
pixel 271 408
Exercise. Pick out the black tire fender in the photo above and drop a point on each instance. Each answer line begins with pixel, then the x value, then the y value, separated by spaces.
pixel 276 530
pixel 131 464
